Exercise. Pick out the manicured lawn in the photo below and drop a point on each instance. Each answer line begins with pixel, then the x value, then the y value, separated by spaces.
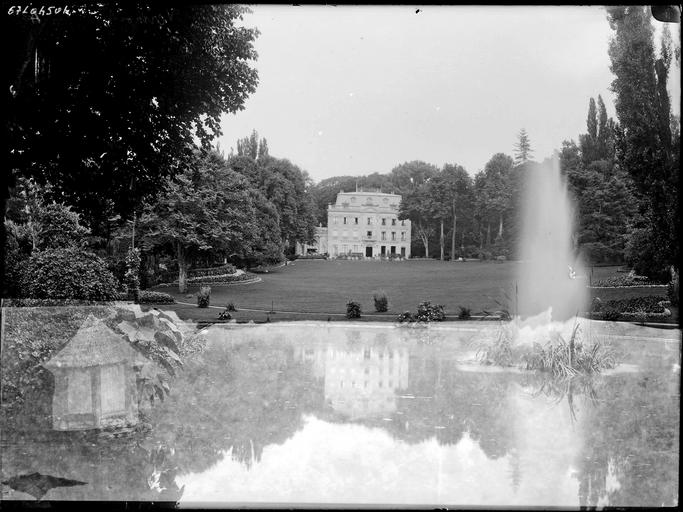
pixel 320 289
pixel 319 286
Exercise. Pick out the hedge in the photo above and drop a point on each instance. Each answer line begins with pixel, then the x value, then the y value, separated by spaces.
pixel 67 274
pixel 44 303
pixel 149 297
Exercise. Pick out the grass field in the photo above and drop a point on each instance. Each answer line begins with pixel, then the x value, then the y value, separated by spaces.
pixel 319 289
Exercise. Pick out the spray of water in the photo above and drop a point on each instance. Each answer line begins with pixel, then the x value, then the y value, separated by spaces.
pixel 551 284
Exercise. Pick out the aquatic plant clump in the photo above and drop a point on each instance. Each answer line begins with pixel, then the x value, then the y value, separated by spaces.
pixel 569 358
pixel 499 352
pixel 559 357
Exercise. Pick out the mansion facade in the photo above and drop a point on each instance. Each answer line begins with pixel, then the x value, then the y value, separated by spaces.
pixel 364 225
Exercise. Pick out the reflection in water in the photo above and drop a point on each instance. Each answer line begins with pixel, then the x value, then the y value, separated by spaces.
pixel 351 463
pixel 362 375
pixel 283 413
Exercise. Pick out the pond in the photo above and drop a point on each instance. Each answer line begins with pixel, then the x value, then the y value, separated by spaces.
pixel 325 413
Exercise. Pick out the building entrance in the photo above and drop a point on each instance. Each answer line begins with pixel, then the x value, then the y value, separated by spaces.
pixel 368 252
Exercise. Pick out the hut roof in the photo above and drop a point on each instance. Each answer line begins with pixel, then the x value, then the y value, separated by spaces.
pixel 94 344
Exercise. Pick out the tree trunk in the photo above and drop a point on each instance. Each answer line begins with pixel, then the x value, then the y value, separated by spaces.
pixel 488 234
pixel 441 240
pixel 455 222
pixel 182 269
pixel 500 227
pixel 425 242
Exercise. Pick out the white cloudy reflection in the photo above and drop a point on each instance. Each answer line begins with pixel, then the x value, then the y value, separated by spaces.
pixel 350 463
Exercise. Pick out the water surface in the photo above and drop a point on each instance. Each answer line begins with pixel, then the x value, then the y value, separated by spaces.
pixel 375 414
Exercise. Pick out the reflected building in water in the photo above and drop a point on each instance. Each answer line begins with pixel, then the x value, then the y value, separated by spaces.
pixel 361 374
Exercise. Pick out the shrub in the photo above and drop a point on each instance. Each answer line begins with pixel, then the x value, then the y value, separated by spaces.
pixel 67 274
pixel 381 301
pixel 465 313
pixel 428 312
pixel 204 297
pixel 231 307
pixel 611 314
pixel 484 255
pixel 353 309
pixel 406 316
pixel 225 315
pixel 596 305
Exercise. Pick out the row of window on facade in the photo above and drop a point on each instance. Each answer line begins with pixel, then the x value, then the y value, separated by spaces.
pixel 357 248
pixel 368 234
pixel 356 220
pixel 380 384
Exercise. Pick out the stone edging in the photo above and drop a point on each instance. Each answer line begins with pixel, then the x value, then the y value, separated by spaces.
pixel 629 286
pixel 222 283
pixel 213 283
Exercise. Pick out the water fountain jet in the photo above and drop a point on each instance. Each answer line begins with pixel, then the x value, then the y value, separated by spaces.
pixel 551 286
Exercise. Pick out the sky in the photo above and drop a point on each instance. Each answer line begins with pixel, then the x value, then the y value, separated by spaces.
pixel 353 90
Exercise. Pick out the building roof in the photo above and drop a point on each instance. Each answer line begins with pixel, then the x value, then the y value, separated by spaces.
pixel 361 193
pixel 94 344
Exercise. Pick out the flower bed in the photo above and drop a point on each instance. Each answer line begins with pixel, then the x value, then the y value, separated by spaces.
pixel 214 271
pixel 636 308
pixel 626 281
pixel 648 304
pixel 222 279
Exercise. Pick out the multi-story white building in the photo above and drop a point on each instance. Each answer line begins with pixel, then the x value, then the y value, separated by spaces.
pixel 363 224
